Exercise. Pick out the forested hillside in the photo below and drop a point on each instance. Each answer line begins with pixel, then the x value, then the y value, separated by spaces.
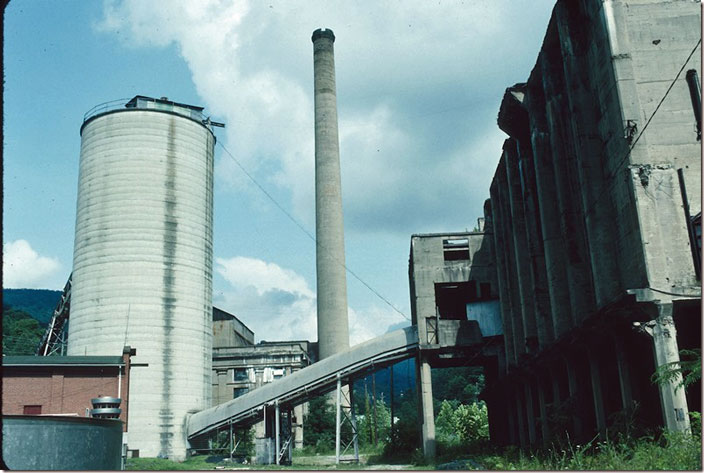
pixel 25 315
pixel 38 303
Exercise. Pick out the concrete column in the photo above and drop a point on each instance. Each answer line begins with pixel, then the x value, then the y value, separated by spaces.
pixel 672 397
pixel 541 294
pixel 544 431
pixel 553 245
pixel 501 278
pixel 520 416
pixel 587 144
pixel 508 282
pixel 298 428
pixel 530 415
pixel 333 325
pixel 573 384
pixel 519 240
pixel 597 396
pixel 221 390
pixel 570 217
pixel 513 437
pixel 624 376
pixel 425 392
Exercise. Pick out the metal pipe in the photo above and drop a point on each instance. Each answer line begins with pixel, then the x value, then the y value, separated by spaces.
pixel 696 95
pixel 690 227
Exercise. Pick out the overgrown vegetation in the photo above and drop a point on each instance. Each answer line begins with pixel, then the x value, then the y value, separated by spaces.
pixel 685 372
pixel 671 451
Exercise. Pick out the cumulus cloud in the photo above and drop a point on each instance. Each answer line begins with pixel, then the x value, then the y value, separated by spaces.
pixel 278 304
pixel 413 82
pixel 23 267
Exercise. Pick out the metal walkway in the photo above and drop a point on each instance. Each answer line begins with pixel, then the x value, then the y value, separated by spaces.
pixel 312 381
pixel 53 338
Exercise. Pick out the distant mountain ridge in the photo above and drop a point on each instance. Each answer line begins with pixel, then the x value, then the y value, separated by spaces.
pixel 39 303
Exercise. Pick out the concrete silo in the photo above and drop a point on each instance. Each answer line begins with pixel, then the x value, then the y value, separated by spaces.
pixel 142 268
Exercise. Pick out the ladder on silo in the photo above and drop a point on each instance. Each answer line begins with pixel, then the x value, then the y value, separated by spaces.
pixel 53 338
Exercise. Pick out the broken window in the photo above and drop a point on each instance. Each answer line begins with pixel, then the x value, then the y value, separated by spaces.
pixel 455 249
pixel 451 299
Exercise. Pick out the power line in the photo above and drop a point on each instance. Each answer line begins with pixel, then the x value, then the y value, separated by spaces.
pixel 674 293
pixel 606 193
pixel 667 92
pixel 309 234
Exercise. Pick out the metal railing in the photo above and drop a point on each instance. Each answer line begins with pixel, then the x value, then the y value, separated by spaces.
pixel 139 103
pixel 105 107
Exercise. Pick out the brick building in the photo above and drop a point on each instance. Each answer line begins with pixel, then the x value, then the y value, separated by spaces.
pixel 64 385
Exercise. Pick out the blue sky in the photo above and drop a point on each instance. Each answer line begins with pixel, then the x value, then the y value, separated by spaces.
pixel 419 85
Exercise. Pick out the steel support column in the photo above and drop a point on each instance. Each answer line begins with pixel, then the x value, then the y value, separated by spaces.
pixel 277 439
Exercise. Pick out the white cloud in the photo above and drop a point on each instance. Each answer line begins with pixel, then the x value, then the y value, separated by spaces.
pixel 413 82
pixel 371 322
pixel 22 267
pixel 262 276
pixel 278 304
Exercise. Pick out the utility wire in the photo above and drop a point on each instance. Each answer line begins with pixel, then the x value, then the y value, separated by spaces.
pixel 606 193
pixel 667 92
pixel 674 293
pixel 309 234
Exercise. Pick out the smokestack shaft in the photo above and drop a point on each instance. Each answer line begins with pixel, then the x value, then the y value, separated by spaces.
pixel 333 325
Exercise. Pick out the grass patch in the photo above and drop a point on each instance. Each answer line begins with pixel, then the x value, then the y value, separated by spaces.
pixel 672 451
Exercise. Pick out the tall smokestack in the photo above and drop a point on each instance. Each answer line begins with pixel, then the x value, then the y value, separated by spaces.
pixel 333 326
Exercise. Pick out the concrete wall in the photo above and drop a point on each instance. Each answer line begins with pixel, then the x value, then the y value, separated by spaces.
pixel 587 212
pixel 428 267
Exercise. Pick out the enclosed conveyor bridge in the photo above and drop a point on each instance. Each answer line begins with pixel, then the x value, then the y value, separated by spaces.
pixel 312 381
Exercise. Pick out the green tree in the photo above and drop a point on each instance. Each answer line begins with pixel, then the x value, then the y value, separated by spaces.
pixel 366 423
pixel 21 333
pixel 461 424
pixel 319 424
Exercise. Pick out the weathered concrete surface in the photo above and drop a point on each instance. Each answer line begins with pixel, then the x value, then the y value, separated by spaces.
pixel 333 325
pixel 142 266
pixel 586 201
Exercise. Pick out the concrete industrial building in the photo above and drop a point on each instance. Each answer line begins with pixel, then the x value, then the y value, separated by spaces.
pixel 241 366
pixel 595 255
pixel 142 269
pixel 582 278
pixel 455 309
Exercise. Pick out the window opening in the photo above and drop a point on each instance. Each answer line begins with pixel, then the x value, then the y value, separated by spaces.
pixel 32 410
pixel 456 249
